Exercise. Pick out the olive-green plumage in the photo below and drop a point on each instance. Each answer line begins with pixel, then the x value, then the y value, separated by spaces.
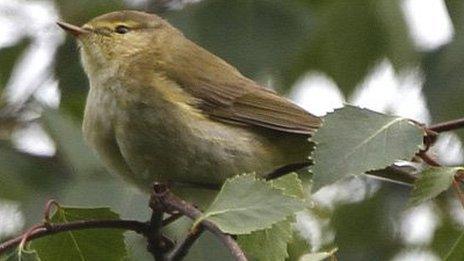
pixel 162 108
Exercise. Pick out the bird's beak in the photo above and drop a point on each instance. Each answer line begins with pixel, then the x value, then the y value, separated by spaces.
pixel 72 29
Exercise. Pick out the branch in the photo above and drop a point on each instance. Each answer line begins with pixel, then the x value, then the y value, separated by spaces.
pixel 50 229
pixel 447 126
pixel 172 202
pixel 162 201
pixel 155 245
pixel 429 160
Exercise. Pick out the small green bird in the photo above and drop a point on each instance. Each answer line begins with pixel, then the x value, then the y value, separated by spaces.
pixel 161 108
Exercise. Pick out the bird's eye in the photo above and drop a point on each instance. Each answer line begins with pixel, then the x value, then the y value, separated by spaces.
pixel 122 29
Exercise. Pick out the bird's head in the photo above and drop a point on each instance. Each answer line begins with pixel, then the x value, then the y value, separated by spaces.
pixel 121 37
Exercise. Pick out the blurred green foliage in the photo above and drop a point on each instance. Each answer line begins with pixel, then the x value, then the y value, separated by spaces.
pixel 265 39
pixel 365 230
pixel 9 57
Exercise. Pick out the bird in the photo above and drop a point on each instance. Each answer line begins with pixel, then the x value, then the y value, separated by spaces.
pixel 161 108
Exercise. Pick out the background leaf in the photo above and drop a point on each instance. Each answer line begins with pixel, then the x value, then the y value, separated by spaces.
pixel 15 172
pixel 89 244
pixel 72 146
pixel 9 56
pixel 457 250
pixel 370 224
pixel 256 31
pixel 431 183
pixel 354 140
pixel 347 54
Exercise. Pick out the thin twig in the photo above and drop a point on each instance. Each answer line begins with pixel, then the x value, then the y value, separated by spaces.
pixel 458 192
pixel 48 209
pixel 447 126
pixel 28 233
pixel 172 202
pixel 132 225
pixel 458 178
pixel 429 160
pixel 182 249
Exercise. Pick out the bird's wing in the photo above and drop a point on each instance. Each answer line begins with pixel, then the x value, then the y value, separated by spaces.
pixel 266 109
pixel 224 94
pixel 244 102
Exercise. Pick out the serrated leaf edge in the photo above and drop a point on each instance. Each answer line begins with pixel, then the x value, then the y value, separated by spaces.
pixel 253 174
pixel 346 105
pixel 300 185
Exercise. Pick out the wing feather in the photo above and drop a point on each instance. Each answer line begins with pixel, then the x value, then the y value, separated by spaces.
pixel 226 95
pixel 268 110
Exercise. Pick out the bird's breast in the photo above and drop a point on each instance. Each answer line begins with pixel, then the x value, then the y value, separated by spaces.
pixel 161 136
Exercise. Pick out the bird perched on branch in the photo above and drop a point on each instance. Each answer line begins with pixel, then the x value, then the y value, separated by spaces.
pixel 161 108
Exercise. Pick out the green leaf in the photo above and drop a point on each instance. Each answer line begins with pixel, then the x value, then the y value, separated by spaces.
pixel 246 204
pixel 431 183
pixel 208 247
pixel 290 184
pixel 269 244
pixel 457 250
pixel 399 47
pixel 441 67
pixel 318 256
pixel 89 244
pixel 353 141
pixel 21 172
